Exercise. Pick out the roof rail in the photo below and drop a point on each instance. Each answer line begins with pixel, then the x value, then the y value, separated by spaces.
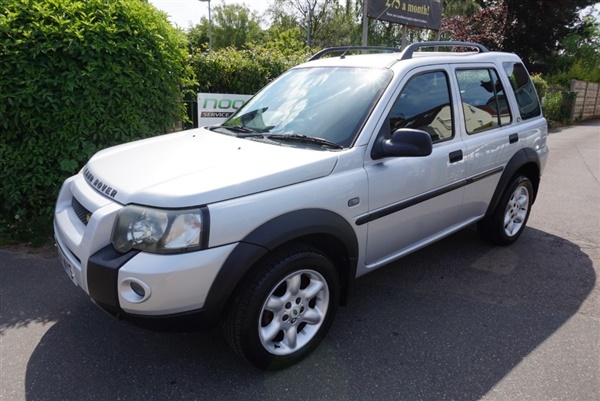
pixel 408 53
pixel 344 49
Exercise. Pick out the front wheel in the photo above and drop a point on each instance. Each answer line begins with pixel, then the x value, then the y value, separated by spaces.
pixel 508 220
pixel 285 310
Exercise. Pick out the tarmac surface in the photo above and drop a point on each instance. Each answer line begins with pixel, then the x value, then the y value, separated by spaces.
pixel 459 320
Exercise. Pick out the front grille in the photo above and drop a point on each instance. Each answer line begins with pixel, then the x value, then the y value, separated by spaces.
pixel 82 213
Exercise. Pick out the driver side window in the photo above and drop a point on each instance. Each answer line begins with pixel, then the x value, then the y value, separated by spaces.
pixel 424 104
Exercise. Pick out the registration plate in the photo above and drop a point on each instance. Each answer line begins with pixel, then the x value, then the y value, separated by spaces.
pixel 67 265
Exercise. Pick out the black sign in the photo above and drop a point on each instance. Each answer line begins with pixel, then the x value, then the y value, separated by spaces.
pixel 419 13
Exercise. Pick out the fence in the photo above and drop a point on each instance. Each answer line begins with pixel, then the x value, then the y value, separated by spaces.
pixel 587 102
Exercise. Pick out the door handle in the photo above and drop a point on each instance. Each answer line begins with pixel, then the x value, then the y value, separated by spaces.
pixel 456 156
pixel 514 138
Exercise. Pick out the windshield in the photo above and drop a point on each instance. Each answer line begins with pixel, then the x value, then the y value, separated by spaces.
pixel 328 103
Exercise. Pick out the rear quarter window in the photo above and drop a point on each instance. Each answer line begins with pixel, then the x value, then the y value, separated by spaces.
pixel 527 99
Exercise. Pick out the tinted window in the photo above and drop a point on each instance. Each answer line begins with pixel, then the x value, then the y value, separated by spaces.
pixel 483 98
pixel 424 104
pixel 529 106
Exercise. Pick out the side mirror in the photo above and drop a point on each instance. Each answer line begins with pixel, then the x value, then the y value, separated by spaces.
pixel 405 142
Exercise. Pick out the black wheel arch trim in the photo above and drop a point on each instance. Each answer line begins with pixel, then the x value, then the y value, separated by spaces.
pixel 269 236
pixel 520 159
pixel 296 224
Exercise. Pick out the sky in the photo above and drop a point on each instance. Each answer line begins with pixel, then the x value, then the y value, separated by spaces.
pixel 185 12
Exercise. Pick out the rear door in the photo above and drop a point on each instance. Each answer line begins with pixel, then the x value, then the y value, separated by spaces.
pixel 490 132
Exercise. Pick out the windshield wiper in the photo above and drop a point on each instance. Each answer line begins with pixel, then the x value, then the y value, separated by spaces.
pixel 305 139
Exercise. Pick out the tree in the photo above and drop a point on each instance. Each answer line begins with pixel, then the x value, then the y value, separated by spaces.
pixel 235 25
pixel 288 42
pixel 336 26
pixel 324 22
pixel 579 57
pixel 530 28
pixel 536 28
pixel 463 8
pixel 488 27
pixel 77 76
pixel 198 36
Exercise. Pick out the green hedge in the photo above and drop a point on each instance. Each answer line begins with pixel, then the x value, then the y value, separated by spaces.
pixel 75 77
pixel 241 71
pixel 557 107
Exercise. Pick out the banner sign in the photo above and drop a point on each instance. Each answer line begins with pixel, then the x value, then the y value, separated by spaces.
pixel 214 108
pixel 419 13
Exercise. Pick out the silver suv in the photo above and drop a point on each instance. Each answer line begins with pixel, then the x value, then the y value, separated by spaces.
pixel 340 166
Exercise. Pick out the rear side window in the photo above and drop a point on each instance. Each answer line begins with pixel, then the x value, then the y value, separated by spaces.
pixel 483 99
pixel 529 106
pixel 424 104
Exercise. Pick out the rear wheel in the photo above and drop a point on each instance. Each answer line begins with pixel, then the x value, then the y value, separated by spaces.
pixel 285 309
pixel 509 219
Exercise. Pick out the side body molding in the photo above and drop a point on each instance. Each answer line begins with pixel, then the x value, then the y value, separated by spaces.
pixel 525 160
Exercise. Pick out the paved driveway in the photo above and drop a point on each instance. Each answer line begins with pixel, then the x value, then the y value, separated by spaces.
pixel 459 320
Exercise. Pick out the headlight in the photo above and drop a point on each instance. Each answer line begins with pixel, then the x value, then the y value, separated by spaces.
pixel 160 230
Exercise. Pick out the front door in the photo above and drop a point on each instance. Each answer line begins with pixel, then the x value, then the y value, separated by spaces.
pixel 413 200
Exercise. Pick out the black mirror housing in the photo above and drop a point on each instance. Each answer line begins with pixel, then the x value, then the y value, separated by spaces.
pixel 406 142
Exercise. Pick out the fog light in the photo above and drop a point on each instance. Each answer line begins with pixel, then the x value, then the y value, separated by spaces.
pixel 138 289
pixel 134 290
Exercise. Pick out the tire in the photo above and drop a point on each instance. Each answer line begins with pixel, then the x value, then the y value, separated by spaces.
pixel 509 219
pixel 284 311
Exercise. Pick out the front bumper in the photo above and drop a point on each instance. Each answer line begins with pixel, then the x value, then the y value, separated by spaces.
pixel 172 283
pixel 136 284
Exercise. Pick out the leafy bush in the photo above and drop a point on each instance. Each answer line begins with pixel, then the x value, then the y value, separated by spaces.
pixel 578 70
pixel 77 76
pixel 541 86
pixel 241 71
pixel 580 56
pixel 557 107
pixel 557 102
